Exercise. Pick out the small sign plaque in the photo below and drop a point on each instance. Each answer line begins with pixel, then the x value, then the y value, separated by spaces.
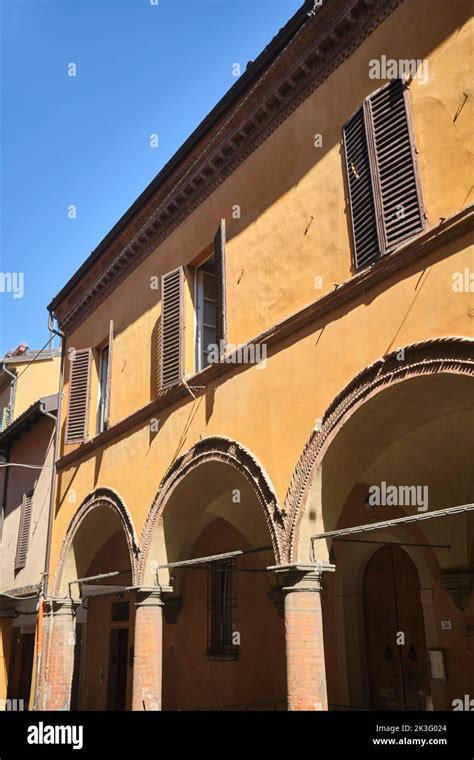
pixel 437 665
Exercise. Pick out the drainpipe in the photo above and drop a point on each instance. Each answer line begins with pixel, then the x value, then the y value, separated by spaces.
pixel 53 472
pixel 47 556
pixel 47 414
pixel 4 456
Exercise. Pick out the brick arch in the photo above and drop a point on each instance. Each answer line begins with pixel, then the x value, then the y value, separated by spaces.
pixel 100 498
pixel 227 451
pixel 444 355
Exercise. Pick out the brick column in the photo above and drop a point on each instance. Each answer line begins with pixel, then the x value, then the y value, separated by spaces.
pixel 306 672
pixel 147 663
pixel 57 665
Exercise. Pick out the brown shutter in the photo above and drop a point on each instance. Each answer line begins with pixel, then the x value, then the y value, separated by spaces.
pixel 109 375
pixel 79 394
pixel 24 531
pixel 395 164
pixel 219 256
pixel 172 327
pixel 361 193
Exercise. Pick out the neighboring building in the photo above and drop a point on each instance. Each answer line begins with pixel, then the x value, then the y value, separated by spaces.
pixel 344 272
pixel 30 383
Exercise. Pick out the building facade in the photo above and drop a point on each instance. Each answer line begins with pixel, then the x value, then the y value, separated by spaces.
pixel 29 394
pixel 274 344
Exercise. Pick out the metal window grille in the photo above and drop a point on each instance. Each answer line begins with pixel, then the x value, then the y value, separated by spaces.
pixel 222 604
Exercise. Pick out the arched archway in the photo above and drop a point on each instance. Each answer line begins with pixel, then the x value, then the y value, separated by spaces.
pixel 102 514
pixel 404 427
pixel 224 466
pixel 91 621
pixel 223 636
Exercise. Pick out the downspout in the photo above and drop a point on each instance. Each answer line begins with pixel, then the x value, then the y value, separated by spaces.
pixel 5 454
pixel 53 472
pixel 47 556
pixel 4 457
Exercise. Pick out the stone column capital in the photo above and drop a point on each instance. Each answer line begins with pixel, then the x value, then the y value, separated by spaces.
pixel 302 577
pixel 60 606
pixel 150 596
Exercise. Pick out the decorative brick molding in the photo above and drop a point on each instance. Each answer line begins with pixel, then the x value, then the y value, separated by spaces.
pixel 443 355
pixel 312 52
pixel 99 499
pixel 217 449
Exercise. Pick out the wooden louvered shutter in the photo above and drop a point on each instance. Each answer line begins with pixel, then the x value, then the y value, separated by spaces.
pixel 6 417
pixel 219 257
pixel 361 192
pixel 109 374
pixel 79 394
pixel 395 164
pixel 172 327
pixel 24 531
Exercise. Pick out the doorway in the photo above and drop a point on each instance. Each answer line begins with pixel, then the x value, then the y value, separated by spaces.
pixel 118 664
pixel 21 666
pixel 395 632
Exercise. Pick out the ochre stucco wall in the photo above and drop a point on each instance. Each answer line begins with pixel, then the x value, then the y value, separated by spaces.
pixel 41 379
pixel 34 447
pixel 286 181
pixel 297 181
pixel 271 268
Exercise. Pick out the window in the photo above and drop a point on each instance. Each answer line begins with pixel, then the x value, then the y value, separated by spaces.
pixel 24 531
pixel 103 388
pixel 208 281
pixel 120 611
pixel 384 192
pixel 79 390
pixel 206 312
pixel 221 609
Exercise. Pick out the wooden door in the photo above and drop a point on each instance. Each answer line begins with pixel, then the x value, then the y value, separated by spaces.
pixel 398 672
pixel 118 664
pixel 21 666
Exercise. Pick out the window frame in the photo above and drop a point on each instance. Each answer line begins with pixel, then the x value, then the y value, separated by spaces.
pixel 221 611
pixel 103 389
pixel 200 299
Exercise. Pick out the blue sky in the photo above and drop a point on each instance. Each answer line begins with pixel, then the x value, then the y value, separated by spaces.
pixel 85 140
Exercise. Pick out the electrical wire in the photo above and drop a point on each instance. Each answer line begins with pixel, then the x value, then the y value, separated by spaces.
pixel 33 359
pixel 30 466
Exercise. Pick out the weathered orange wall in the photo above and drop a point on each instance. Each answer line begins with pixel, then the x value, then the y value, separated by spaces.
pixel 191 679
pixel 34 447
pixel 41 379
pixel 272 264
pixel 280 263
